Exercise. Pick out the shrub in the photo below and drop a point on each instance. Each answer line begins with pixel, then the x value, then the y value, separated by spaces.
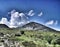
pixel 56 41
pixel 49 39
pixel 22 32
pixel 29 44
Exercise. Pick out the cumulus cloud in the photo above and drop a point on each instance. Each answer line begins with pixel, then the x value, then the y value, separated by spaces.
pixel 17 19
pixel 4 21
pixel 31 13
pixel 40 14
pixel 52 22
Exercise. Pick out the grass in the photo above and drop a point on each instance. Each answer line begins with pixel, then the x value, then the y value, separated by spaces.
pixel 40 38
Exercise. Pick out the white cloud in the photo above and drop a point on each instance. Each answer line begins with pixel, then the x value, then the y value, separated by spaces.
pixel 14 17
pixel 21 14
pixel 31 13
pixel 4 21
pixel 17 19
pixel 40 14
pixel 56 22
pixel 52 22
pixel 12 11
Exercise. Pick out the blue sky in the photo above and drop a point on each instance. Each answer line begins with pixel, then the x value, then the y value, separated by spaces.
pixel 50 9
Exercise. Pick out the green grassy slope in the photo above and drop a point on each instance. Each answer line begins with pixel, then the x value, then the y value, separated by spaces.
pixel 32 38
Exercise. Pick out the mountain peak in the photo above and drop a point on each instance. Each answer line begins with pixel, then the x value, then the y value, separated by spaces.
pixel 36 26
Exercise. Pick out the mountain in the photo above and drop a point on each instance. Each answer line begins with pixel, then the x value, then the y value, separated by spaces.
pixel 3 26
pixel 37 26
pixel 31 26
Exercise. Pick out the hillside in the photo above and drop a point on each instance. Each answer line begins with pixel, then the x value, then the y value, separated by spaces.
pixel 30 26
pixel 30 35
pixel 3 26
pixel 36 26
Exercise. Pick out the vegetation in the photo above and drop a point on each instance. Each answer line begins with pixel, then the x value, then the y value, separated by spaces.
pixel 33 38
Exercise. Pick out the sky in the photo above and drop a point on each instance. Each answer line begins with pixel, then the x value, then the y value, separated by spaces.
pixel 46 12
